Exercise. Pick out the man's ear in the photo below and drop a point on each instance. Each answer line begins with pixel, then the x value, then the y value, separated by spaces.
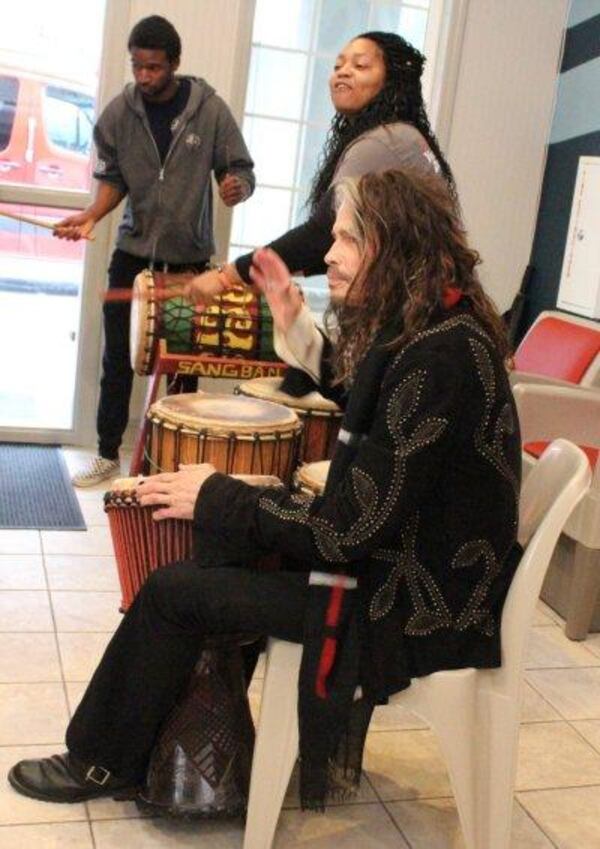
pixel 175 64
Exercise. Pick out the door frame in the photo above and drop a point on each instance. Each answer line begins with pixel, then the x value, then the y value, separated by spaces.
pixel 115 31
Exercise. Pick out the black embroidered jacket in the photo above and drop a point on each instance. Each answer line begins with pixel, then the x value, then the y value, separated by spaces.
pixel 421 505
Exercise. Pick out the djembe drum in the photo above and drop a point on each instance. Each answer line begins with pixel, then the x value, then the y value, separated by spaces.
pixel 310 478
pixel 142 544
pixel 320 417
pixel 200 765
pixel 234 433
pixel 238 324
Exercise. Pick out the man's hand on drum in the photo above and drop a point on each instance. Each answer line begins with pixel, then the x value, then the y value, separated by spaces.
pixel 75 227
pixel 233 190
pixel 175 493
pixel 271 275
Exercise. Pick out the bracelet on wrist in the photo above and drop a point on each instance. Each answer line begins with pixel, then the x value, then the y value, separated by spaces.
pixel 225 279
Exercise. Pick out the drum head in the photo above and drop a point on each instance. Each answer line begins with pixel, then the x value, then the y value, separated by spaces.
pixel 143 324
pixel 124 484
pixel 313 476
pixel 267 388
pixel 223 415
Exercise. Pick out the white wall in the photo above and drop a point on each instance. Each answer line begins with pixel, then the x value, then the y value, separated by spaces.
pixel 496 137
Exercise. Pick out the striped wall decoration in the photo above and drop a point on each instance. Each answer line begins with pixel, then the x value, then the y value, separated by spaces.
pixel 575 132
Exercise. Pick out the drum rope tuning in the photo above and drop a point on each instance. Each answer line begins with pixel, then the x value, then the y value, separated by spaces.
pixel 235 434
pixel 256 441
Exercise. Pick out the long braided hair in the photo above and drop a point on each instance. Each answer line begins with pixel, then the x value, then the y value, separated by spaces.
pixel 400 99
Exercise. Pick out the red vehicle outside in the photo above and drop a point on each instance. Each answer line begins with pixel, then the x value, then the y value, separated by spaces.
pixel 45 141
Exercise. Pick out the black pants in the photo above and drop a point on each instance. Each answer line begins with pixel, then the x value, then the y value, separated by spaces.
pixel 117 376
pixel 153 652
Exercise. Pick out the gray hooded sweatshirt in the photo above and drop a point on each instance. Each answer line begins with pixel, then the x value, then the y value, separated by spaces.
pixel 168 216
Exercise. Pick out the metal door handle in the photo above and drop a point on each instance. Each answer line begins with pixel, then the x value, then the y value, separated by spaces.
pixel 7 165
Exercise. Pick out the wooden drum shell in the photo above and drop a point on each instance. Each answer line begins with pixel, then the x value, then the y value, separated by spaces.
pixel 237 447
pixel 320 417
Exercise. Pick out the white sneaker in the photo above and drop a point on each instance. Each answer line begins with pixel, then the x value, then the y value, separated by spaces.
pixel 97 470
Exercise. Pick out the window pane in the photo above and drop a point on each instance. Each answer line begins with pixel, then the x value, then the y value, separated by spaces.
pixel 262 218
pixel 283 24
pixel 9 89
pixel 385 17
pixel 312 145
pixel 40 286
pixel 69 119
pixel 237 250
pixel 413 26
pixel 316 291
pixel 300 210
pixel 273 145
pixel 56 68
pixel 341 21
pixel 319 107
pixel 276 83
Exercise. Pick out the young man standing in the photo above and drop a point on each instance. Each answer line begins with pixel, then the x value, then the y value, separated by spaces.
pixel 158 143
pixel 400 569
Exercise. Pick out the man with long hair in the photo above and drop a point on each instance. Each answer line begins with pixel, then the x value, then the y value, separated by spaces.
pixel 400 569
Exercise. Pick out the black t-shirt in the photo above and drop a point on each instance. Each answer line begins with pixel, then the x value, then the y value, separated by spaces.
pixel 162 116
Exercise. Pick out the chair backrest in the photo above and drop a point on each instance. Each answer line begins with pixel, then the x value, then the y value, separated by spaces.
pixel 559 480
pixel 549 412
pixel 563 346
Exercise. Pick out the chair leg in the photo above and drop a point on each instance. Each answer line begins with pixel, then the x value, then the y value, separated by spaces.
pixel 276 746
pixel 477 730
pixel 585 585
pixel 497 751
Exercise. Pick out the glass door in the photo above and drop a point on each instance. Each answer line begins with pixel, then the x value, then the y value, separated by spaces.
pixel 49 67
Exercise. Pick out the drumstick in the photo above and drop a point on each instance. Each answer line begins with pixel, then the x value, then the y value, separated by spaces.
pixel 38 222
pixel 157 294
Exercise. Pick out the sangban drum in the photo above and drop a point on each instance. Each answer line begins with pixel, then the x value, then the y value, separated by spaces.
pixel 310 478
pixel 142 544
pixel 320 417
pixel 234 433
pixel 238 324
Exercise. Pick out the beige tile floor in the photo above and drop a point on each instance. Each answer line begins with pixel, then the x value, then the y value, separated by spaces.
pixel 58 606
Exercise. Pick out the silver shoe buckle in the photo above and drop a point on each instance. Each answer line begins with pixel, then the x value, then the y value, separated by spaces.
pixel 89 776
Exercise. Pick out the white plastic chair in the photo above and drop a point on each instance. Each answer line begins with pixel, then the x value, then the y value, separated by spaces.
pixel 474 713
pixel 545 413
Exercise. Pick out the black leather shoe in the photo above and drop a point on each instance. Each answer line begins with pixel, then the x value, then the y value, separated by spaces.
pixel 63 778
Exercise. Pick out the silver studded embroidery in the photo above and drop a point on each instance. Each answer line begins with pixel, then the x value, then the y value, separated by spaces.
pixel 298 513
pixel 374 505
pixel 430 609
pixel 466 321
pixel 489 435
pixel 477 553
